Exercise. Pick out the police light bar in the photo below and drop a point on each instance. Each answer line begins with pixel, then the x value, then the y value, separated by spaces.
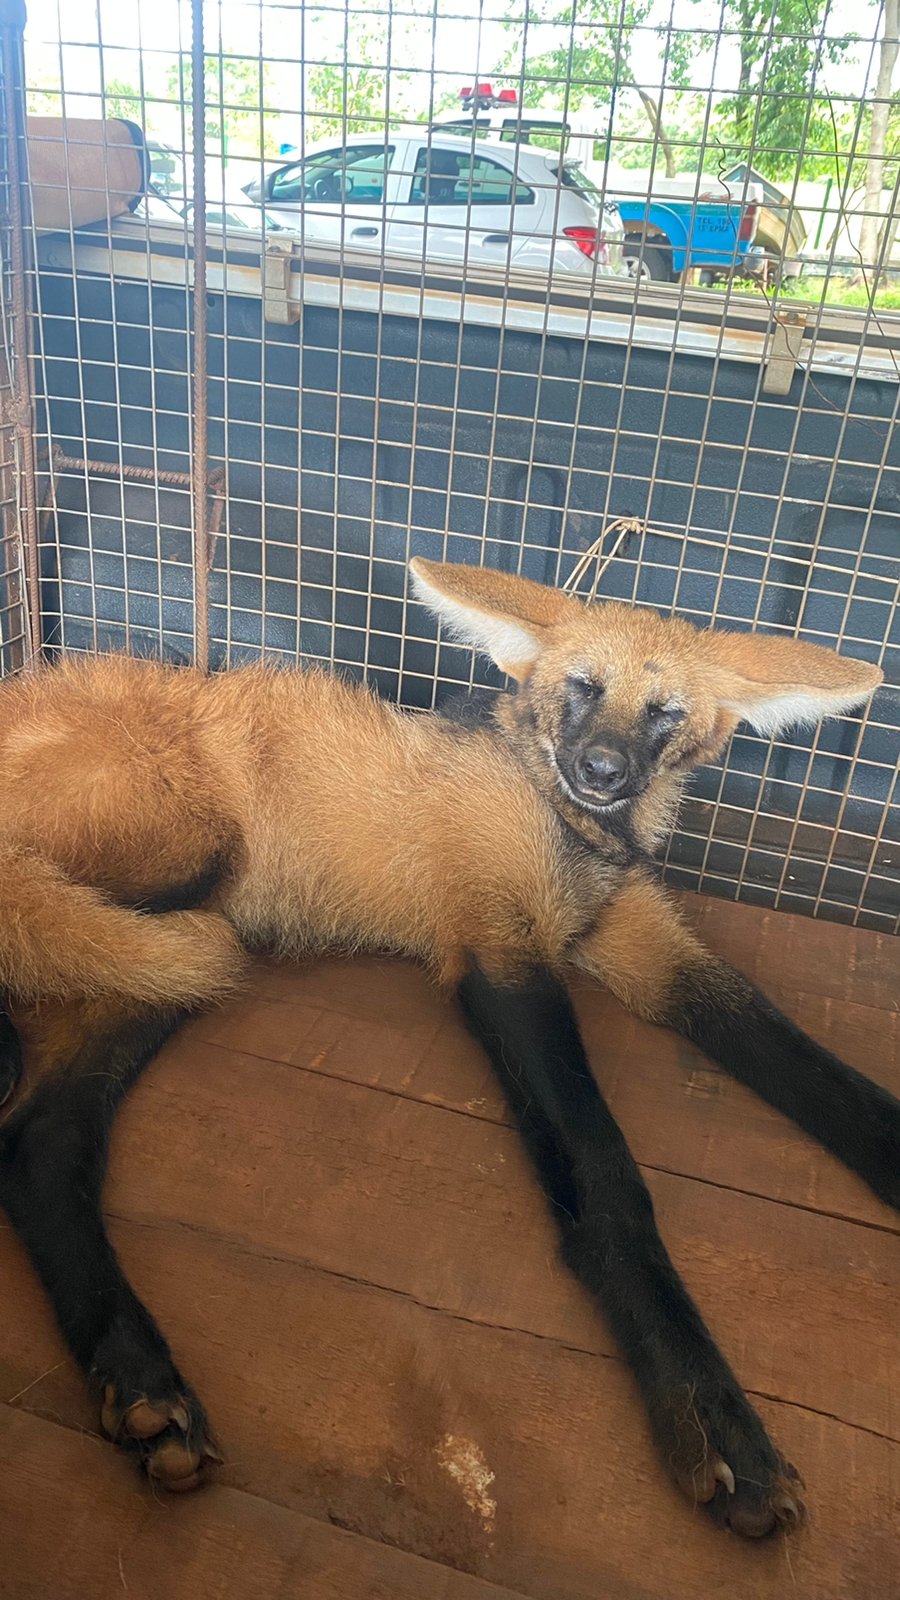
pixel 485 92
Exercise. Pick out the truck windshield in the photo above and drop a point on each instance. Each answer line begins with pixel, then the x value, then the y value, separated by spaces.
pixel 536 131
pixel 543 135
pixel 465 127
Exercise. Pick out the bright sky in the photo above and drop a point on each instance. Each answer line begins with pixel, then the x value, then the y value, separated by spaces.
pixel 463 38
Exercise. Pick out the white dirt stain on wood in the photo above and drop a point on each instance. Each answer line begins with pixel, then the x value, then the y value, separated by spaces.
pixel 465 1463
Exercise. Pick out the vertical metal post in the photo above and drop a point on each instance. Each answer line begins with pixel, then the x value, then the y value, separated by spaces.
pixel 12 28
pixel 199 428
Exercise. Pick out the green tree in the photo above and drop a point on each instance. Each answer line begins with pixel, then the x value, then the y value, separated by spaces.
pixel 364 88
pixel 347 99
pixel 687 123
pixel 43 101
pixel 784 120
pixel 119 99
pixel 781 108
pixel 878 230
pixel 237 92
pixel 43 88
pixel 594 60
pixel 352 94
pixel 122 100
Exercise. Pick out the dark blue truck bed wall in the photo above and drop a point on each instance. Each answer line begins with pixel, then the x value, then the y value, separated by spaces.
pixel 354 440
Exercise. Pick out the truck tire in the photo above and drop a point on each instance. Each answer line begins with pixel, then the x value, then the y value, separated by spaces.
pixel 651 262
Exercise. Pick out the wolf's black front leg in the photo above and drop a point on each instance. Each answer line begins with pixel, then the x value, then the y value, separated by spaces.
pixel 736 1026
pixel 657 966
pixel 10 1058
pixel 708 1433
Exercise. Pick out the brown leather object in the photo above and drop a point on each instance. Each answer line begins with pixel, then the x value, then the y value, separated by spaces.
pixel 84 169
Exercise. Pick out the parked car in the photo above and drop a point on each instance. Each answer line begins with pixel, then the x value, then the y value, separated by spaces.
pixel 780 228
pixel 166 169
pixel 230 210
pixel 686 223
pixel 437 196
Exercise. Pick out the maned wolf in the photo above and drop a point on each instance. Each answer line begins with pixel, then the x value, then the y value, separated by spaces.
pixel 157 824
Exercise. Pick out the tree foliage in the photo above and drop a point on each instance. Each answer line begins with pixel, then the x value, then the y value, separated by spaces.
pixel 594 57
pixel 780 107
pixel 877 230
pixel 359 96
pixel 236 90
pixel 781 116
pixel 121 99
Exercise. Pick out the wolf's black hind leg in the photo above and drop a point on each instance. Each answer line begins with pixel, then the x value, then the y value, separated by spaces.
pixel 53 1152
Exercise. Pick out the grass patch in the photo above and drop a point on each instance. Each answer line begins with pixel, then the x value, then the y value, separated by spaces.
pixel 832 291
pixel 839 292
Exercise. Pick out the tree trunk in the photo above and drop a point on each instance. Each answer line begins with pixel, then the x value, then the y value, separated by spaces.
pixel 743 113
pixel 654 117
pixel 888 237
pixel 867 273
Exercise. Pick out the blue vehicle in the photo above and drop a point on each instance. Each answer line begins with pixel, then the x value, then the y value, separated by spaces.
pixel 678 228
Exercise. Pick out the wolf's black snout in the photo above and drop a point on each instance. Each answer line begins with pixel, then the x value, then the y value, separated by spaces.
pixel 602 768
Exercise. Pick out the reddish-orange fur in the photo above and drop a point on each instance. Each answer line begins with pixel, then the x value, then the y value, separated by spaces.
pixel 344 821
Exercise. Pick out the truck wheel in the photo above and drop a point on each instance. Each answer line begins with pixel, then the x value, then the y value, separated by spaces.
pixel 650 262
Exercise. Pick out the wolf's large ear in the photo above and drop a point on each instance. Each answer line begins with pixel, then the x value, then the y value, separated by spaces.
pixel 775 683
pixel 506 617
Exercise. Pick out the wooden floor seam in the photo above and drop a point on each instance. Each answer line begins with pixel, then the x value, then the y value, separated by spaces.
pixel 887 1226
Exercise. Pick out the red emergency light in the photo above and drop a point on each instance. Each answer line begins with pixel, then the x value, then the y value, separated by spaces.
pixel 485 91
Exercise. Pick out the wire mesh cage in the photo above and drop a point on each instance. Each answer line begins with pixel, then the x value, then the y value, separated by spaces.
pixel 14 408
pixel 503 285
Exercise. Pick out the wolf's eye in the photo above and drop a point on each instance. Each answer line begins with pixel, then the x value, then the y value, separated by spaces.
pixel 662 713
pixel 587 688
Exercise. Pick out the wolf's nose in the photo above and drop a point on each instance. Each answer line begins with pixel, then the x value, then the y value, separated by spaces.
pixel 601 768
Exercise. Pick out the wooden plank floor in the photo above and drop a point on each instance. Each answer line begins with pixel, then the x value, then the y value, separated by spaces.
pixel 317 1192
